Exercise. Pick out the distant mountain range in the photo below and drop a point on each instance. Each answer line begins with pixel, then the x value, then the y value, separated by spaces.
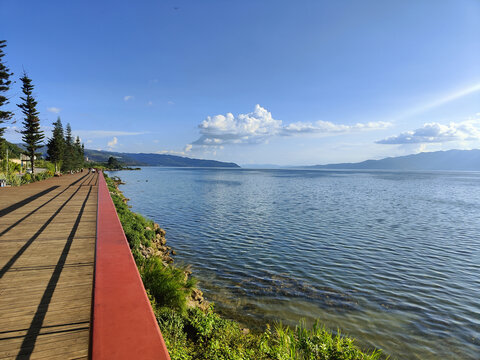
pixel 142 159
pixel 454 160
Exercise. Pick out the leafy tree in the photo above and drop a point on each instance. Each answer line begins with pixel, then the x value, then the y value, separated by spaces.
pixel 68 154
pixel 113 163
pixel 4 87
pixel 32 135
pixel 56 144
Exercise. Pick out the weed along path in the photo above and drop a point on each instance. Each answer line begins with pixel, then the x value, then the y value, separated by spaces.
pixel 47 252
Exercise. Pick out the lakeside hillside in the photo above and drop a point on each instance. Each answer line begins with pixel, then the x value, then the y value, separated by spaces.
pixel 146 159
pixel 453 160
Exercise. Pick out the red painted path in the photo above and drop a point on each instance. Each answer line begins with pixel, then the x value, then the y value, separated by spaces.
pixel 124 326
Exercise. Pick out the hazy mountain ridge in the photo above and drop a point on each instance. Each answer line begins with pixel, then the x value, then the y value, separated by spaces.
pixel 149 159
pixel 454 160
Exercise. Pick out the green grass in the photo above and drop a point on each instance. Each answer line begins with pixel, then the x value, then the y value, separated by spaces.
pixel 191 333
pixel 166 284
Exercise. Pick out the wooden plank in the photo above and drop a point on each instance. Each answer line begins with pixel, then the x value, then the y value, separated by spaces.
pixel 47 242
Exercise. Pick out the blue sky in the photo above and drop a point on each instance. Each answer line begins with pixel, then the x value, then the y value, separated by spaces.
pixel 279 82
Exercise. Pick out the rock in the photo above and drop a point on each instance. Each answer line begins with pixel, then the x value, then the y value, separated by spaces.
pixel 148 228
pixel 197 300
pixel 246 331
pixel 174 252
pixel 187 274
pixel 197 294
pixel 160 231
pixel 160 239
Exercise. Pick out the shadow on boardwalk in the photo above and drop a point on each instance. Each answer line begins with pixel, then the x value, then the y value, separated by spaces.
pixel 47 237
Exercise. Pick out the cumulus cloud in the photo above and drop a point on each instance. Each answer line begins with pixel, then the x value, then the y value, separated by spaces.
pixel 253 127
pixel 259 125
pixel 111 144
pixel 54 110
pixel 434 132
pixel 127 98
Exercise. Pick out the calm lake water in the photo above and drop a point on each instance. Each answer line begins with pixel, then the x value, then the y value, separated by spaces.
pixel 390 258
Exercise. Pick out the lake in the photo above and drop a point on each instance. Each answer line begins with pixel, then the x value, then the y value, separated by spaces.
pixel 390 258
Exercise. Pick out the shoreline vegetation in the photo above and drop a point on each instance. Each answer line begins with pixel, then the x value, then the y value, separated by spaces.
pixel 190 326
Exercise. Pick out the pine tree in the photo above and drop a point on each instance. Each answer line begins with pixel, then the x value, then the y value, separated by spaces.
pixel 4 87
pixel 68 154
pixel 78 154
pixel 56 144
pixel 32 135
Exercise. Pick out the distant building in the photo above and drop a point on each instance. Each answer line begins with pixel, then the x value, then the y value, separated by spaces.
pixel 25 160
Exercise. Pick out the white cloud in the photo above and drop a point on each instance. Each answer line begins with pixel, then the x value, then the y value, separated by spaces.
pixel 434 132
pixel 171 152
pixel 187 148
pixel 259 125
pixel 253 127
pixel 327 127
pixel 127 98
pixel 54 110
pixel 111 144
pixel 105 133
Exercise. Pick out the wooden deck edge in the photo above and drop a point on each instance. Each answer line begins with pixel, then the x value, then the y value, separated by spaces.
pixel 123 325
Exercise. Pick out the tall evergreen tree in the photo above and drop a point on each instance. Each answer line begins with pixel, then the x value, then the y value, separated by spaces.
pixel 78 154
pixel 68 154
pixel 56 144
pixel 32 135
pixel 4 87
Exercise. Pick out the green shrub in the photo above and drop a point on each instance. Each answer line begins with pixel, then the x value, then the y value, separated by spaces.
pixel 42 163
pixel 167 284
pixel 12 167
pixel 26 178
pixel 14 180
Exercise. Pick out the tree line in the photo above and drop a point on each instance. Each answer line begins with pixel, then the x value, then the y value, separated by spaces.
pixel 63 150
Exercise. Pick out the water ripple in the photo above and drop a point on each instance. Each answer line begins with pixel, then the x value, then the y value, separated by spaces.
pixel 392 258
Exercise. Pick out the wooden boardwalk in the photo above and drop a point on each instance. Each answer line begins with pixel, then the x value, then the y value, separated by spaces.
pixel 47 250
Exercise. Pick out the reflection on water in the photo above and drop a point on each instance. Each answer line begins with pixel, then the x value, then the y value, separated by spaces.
pixel 391 258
